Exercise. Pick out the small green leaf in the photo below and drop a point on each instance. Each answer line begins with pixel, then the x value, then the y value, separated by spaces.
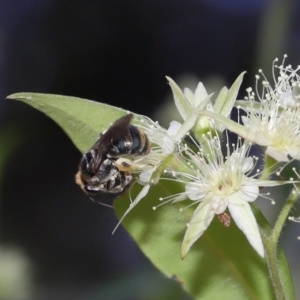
pixel 81 119
pixel 220 265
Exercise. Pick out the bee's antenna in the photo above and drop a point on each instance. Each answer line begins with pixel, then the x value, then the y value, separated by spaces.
pixel 107 205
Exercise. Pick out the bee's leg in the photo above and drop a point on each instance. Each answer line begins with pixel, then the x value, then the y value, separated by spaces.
pixel 101 203
pixel 126 165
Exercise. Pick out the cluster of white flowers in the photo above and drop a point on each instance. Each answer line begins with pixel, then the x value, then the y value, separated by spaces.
pixel 220 183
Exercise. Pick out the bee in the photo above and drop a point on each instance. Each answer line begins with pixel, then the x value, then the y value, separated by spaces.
pixel 103 169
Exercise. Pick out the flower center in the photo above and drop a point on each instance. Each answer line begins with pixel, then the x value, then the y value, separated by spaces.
pixel 227 183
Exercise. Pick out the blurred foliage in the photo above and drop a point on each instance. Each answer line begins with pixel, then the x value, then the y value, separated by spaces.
pixel 274 33
pixel 15 274
pixel 15 268
pixel 10 137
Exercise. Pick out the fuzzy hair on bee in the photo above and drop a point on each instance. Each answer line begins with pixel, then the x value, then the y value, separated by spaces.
pixel 106 167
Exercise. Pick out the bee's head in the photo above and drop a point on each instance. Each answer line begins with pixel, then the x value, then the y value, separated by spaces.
pixel 94 177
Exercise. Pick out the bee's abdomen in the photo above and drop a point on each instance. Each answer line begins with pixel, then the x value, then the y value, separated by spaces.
pixel 135 142
pixel 140 141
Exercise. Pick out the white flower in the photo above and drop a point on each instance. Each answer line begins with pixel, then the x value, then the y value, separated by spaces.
pixel 274 120
pixel 217 184
pixel 286 91
pixel 278 131
pixel 190 103
pixel 163 143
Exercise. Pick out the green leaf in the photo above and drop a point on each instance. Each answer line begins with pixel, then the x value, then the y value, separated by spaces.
pixel 81 119
pixel 220 265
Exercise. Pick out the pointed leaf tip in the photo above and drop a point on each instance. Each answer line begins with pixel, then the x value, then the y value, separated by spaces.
pixel 19 96
pixel 81 119
pixel 12 96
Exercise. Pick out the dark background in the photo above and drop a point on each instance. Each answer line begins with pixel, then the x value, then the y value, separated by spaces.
pixel 117 52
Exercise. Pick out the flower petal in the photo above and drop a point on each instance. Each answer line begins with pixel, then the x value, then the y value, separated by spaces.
pixel 249 192
pixel 220 100
pixel 200 94
pixel 182 104
pixel 174 128
pixel 243 217
pixel 199 222
pixel 186 126
pixel 189 95
pixel 264 183
pixel 277 154
pixel 139 197
pixel 294 153
pixel 169 139
pixel 225 107
pixel 247 164
pixel 145 176
pixel 194 191
pixel 168 145
pixel 218 204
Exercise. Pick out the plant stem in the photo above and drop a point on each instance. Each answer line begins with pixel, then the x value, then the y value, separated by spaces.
pixel 294 195
pixel 269 168
pixel 271 256
pixel 271 242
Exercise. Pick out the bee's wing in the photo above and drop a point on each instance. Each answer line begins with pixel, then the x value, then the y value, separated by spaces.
pixel 114 133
